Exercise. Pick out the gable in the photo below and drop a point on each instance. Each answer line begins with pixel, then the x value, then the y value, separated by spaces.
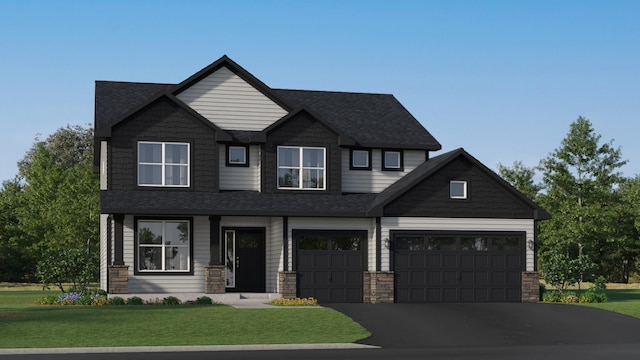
pixel 487 198
pixel 230 102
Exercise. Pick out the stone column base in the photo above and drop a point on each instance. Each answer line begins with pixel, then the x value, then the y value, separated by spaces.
pixel 214 279
pixel 378 287
pixel 118 279
pixel 530 287
pixel 287 283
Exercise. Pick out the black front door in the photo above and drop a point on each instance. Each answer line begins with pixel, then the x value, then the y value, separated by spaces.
pixel 245 259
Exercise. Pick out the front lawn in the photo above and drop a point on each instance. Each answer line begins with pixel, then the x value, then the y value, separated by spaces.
pixel 25 325
pixel 624 301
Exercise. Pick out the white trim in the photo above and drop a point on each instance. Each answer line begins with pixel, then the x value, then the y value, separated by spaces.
pixel 163 164
pixel 301 168
pixel 464 189
pixel 367 163
pixel 163 246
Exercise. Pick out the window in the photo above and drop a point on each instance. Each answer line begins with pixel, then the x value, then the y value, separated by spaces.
pixel 163 245
pixel 301 168
pixel 163 164
pixel 392 160
pixel 237 155
pixel 360 160
pixel 458 189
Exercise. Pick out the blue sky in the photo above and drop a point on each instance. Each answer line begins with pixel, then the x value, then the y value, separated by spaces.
pixel 503 79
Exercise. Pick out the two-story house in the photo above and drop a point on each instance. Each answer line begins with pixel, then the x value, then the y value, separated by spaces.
pixel 222 184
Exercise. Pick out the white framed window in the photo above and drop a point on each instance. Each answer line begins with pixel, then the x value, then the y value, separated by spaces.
pixel 360 159
pixel 457 189
pixel 163 245
pixel 301 168
pixel 392 160
pixel 237 155
pixel 163 164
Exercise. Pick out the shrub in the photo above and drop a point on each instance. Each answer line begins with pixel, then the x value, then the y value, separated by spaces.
pixel 135 300
pixel 204 300
pixel 552 296
pixel 47 300
pixel 73 266
pixel 570 298
pixel 294 302
pixel 543 289
pixel 592 297
pixel 116 300
pixel 171 300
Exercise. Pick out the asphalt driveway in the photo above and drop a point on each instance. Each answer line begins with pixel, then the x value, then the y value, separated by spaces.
pixel 489 324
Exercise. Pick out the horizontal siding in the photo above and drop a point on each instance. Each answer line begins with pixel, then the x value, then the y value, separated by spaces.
pixel 451 224
pixel 104 262
pixel 240 177
pixel 275 252
pixel 376 180
pixel 231 103
pixel 170 283
pixel 367 224
pixel 103 165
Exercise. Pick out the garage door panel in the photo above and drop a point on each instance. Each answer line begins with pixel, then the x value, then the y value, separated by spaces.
pixel 474 267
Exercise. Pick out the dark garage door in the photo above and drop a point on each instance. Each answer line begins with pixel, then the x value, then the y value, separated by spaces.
pixel 458 267
pixel 330 264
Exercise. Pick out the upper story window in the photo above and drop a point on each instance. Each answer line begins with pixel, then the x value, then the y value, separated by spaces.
pixel 360 160
pixel 301 168
pixel 163 164
pixel 237 155
pixel 457 189
pixel 392 160
pixel 163 245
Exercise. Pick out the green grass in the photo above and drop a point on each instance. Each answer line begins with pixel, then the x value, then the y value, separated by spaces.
pixel 25 325
pixel 624 301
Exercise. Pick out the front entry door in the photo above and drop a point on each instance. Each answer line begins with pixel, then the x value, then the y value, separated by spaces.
pixel 245 259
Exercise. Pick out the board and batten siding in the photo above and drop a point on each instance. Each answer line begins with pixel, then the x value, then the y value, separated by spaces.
pixel 103 165
pixel 231 103
pixel 389 224
pixel 240 177
pixel 169 283
pixel 104 261
pixel 376 180
pixel 367 224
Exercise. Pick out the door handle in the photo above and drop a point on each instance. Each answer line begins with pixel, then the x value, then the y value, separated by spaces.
pixel 237 262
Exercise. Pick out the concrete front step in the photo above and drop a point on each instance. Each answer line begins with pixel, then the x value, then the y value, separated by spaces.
pixel 227 298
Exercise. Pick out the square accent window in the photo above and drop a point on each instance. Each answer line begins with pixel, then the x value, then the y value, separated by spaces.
pixel 458 189
pixel 301 168
pixel 163 164
pixel 237 155
pixel 163 246
pixel 360 160
pixel 392 160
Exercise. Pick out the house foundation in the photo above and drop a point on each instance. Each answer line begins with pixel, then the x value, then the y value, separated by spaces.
pixel 118 279
pixel 378 287
pixel 287 284
pixel 214 279
pixel 530 287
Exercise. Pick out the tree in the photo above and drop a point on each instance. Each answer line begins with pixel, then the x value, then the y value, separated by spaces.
pixel 521 177
pixel 16 262
pixel 579 182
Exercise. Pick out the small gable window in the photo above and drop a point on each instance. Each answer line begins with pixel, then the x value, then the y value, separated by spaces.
pixel 392 160
pixel 237 155
pixel 457 189
pixel 360 160
pixel 163 164
pixel 301 168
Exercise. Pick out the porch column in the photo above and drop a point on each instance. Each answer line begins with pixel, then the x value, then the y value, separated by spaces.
pixel 214 240
pixel 118 273
pixel 214 273
pixel 118 245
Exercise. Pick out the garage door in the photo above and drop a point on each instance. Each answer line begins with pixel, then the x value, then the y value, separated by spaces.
pixel 330 264
pixel 458 267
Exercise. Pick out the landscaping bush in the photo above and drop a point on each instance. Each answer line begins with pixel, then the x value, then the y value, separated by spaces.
pixel 116 300
pixel 135 300
pixel 73 266
pixel 571 297
pixel 295 302
pixel 171 300
pixel 204 300
pixel 593 297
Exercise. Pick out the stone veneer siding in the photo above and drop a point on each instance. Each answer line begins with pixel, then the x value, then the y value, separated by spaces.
pixel 287 284
pixel 214 279
pixel 530 287
pixel 378 287
pixel 118 279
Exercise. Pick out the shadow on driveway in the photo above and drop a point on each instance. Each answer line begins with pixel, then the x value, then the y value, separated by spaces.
pixel 489 324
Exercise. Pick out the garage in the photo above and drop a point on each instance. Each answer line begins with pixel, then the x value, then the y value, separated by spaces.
pixel 330 264
pixel 436 266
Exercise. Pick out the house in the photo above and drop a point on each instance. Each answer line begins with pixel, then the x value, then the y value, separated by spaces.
pixel 222 184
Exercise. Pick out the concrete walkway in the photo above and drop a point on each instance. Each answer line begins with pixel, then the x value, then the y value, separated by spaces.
pixel 237 300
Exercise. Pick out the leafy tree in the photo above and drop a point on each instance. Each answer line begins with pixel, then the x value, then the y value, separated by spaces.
pixel 521 177
pixel 74 266
pixel 16 262
pixel 561 271
pixel 579 179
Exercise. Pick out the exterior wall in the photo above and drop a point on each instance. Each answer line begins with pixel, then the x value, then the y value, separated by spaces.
pixel 240 177
pixel 163 121
pixel 275 253
pixel 104 262
pixel 486 198
pixel 302 130
pixel 367 224
pixel 231 103
pixel 170 283
pixel 530 286
pixel 454 224
pixel 378 287
pixel 376 180
pixel 103 165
